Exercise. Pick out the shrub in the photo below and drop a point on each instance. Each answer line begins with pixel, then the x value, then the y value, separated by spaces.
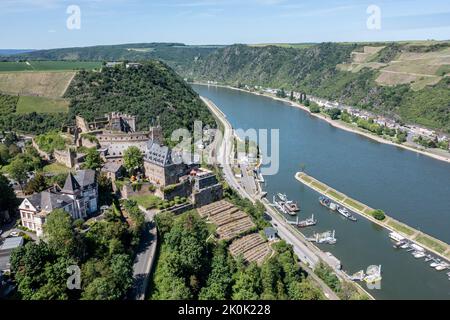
pixel 379 215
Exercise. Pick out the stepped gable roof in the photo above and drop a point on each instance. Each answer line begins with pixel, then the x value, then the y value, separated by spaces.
pixel 71 184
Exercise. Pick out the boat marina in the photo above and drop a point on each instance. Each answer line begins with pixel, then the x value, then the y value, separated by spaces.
pixel 283 204
pixel 417 251
pixel 305 223
pixel 324 238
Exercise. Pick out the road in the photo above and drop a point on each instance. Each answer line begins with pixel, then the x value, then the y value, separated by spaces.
pixel 302 248
pixel 145 257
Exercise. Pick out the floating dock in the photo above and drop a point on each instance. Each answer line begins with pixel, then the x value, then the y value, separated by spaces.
pixel 430 243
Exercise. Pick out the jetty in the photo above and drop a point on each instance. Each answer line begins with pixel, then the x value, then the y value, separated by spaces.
pixel 426 241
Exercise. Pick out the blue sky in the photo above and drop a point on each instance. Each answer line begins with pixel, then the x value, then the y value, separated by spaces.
pixel 42 23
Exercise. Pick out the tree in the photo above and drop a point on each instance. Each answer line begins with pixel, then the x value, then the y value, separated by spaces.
pixel 37 184
pixel 133 159
pixel 219 282
pixel 18 170
pixel 8 198
pixel 334 113
pixel 379 214
pixel 4 154
pixel 248 284
pixel 92 160
pixel 60 233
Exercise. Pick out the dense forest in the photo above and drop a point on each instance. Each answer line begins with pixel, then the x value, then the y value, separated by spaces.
pixel 191 267
pixel 150 91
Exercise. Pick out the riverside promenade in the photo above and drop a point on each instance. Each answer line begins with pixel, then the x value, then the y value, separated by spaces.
pixel 430 243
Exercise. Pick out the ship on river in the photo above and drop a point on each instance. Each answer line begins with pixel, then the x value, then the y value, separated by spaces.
pixel 328 204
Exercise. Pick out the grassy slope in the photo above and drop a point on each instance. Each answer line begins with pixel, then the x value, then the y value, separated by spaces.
pixel 28 104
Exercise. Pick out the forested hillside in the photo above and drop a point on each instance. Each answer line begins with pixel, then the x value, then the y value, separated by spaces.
pixel 400 80
pixel 148 92
pixel 151 91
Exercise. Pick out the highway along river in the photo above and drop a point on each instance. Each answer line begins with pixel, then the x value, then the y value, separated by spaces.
pixel 410 187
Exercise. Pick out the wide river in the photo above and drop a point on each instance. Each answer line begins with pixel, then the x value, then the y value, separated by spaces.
pixel 409 186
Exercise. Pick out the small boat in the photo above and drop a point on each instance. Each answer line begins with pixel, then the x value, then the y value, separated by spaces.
pixel 291 207
pixel 405 245
pixel 435 263
pixel 442 266
pixel 344 212
pixel 418 254
pixel 448 273
pixel 282 197
pixel 428 258
pixel 396 237
pixel 327 203
pixel 307 223
pixel 399 244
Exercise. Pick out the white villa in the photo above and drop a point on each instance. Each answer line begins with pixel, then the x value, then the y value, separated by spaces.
pixel 79 197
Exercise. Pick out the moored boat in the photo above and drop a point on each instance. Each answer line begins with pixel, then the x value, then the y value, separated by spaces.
pixel 344 212
pixel 442 266
pixel 418 254
pixel 307 223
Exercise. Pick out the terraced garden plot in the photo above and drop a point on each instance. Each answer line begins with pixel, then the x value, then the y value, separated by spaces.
pixel 222 219
pixel 258 254
pixel 235 228
pixel 213 208
pixel 242 245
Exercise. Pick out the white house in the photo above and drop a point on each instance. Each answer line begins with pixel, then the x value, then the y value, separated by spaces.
pixel 79 197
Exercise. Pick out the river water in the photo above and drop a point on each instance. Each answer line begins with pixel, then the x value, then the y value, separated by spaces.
pixel 410 187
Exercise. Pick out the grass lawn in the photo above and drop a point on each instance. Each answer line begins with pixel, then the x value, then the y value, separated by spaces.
pixel 400 227
pixel 147 201
pixel 431 243
pixel 28 104
pixel 335 195
pixel 319 186
pixel 354 204
pixel 48 66
pixel 56 168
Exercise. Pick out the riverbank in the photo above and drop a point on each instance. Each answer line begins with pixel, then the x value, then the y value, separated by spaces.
pixel 336 124
pixel 440 249
pixel 305 250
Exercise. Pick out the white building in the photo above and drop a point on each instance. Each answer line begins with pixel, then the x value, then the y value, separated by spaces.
pixel 78 197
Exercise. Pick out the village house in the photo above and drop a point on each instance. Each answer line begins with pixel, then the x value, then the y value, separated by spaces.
pixel 78 197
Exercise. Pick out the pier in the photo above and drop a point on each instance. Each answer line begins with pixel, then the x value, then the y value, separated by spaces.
pixel 430 243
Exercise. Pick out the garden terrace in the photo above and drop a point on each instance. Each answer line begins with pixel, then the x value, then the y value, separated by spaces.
pixel 253 248
pixel 226 217
pixel 214 208
pixel 235 228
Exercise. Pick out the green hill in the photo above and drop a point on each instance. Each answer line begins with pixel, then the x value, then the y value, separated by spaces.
pixel 151 91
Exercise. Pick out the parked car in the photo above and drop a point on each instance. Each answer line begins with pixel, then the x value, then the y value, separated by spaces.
pixel 14 234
